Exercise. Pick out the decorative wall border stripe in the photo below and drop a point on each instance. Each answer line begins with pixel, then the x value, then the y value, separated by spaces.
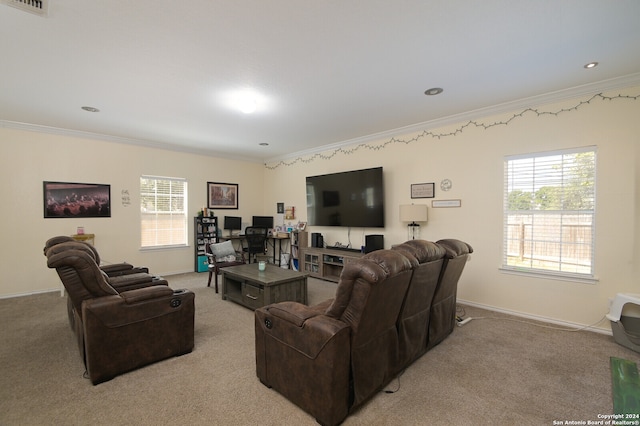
pixel 377 146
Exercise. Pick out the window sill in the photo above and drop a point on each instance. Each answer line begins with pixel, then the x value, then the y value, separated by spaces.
pixel 172 247
pixel 583 279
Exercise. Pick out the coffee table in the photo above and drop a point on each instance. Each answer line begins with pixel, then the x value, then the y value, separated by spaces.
pixel 252 288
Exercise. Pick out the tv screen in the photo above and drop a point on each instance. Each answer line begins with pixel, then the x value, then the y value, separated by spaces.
pixel 262 221
pixel 354 199
pixel 232 222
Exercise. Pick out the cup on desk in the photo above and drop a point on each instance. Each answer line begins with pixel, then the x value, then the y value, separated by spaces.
pixel 262 265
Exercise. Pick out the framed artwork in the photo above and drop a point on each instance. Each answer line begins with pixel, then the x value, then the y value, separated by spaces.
pixel 222 195
pixel 68 200
pixel 302 226
pixel 422 190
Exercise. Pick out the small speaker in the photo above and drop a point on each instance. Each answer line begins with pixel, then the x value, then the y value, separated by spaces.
pixel 373 243
pixel 317 240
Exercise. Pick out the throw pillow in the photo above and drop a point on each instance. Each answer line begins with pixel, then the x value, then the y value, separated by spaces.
pixel 223 251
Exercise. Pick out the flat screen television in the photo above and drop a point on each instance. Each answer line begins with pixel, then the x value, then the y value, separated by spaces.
pixel 232 223
pixel 354 199
pixel 262 221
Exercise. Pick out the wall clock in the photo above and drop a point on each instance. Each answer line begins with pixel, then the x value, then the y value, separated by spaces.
pixel 446 184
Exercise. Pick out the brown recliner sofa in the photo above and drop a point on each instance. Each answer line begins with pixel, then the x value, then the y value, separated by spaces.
pixel 331 358
pixel 120 331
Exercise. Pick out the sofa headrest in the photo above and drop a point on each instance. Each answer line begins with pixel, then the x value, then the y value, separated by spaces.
pixel 372 268
pixel 421 250
pixel 70 245
pixel 56 240
pixel 63 239
pixel 455 247
pixel 79 259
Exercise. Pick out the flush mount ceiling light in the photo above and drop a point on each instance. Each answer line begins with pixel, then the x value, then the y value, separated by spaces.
pixel 591 65
pixel 263 144
pixel 246 101
pixel 433 91
pixel 90 109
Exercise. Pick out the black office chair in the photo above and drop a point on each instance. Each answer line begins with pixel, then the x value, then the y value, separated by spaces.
pixel 256 242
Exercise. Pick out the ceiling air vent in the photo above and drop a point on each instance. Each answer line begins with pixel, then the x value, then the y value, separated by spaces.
pixel 38 7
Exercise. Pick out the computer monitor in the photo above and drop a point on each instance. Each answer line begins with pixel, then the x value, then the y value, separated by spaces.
pixel 262 221
pixel 232 223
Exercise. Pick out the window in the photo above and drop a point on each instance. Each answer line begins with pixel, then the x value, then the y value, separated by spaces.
pixel 549 213
pixel 163 215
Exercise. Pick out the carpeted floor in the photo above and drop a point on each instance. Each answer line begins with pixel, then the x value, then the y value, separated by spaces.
pixel 488 372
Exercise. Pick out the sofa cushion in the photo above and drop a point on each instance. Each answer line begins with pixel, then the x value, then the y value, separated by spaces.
pixel 223 252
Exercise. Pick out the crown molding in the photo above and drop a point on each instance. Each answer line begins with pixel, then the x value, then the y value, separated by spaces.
pixel 127 141
pixel 533 101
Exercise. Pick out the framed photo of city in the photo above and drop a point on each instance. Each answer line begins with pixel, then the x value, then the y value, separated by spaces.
pixel 69 200
pixel 222 195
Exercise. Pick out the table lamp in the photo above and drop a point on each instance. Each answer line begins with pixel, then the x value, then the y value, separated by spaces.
pixel 413 213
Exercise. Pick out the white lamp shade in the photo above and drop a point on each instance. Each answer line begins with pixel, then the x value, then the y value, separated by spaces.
pixel 413 213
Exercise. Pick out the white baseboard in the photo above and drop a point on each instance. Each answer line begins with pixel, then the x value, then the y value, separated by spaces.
pixel 568 325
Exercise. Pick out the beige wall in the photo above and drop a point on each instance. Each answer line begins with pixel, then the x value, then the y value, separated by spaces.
pixel 29 158
pixel 472 159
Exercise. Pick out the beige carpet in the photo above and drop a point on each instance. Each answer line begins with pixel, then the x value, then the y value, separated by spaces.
pixel 488 372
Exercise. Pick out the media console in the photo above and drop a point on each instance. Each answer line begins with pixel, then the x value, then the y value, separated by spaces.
pixel 326 263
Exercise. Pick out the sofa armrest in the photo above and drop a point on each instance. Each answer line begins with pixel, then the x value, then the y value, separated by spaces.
pixel 145 293
pixel 299 327
pixel 305 356
pixel 122 333
pixel 116 267
pixel 293 312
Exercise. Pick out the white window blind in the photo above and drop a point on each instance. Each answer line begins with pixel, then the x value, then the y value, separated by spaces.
pixel 549 212
pixel 163 215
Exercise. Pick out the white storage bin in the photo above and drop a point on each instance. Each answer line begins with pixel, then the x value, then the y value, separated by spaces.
pixel 625 321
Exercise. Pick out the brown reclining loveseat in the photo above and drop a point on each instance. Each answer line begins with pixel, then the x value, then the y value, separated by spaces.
pixel 121 276
pixel 121 331
pixel 331 358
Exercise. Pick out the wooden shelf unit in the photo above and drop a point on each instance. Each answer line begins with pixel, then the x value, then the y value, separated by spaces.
pixel 326 264
pixel 299 242
pixel 205 231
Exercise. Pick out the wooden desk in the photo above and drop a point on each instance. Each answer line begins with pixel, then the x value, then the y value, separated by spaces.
pixel 272 239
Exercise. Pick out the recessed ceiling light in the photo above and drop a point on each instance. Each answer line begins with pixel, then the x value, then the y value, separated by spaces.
pixel 591 65
pixel 433 91
pixel 90 109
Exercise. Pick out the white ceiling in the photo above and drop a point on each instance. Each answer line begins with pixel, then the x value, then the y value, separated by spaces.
pixel 328 72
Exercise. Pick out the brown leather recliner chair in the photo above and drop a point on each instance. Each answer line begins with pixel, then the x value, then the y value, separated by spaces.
pixel 119 332
pixel 330 361
pixel 443 309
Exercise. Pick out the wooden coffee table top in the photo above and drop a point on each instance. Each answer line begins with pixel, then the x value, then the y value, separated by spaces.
pixel 270 276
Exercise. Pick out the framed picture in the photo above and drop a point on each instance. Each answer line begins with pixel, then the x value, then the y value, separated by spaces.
pixel 222 195
pixel 67 200
pixel 446 203
pixel 422 190
pixel 302 226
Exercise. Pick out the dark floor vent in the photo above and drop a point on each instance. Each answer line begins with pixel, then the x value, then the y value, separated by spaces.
pixel 38 7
